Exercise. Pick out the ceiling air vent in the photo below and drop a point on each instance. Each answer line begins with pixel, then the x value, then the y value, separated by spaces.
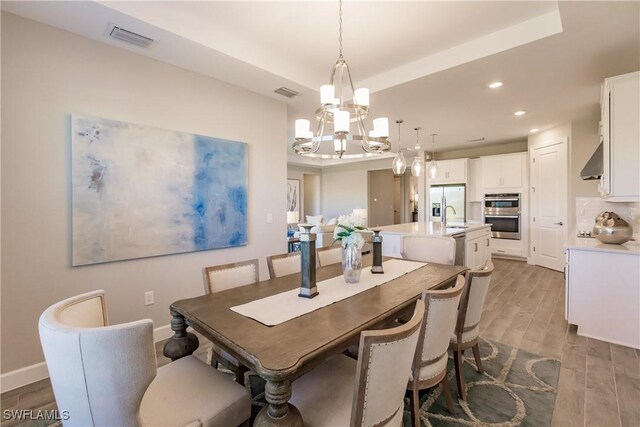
pixel 476 140
pixel 127 36
pixel 285 91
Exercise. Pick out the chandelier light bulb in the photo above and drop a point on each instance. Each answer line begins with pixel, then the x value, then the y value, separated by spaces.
pixel 361 96
pixel 381 127
pixel 302 128
pixel 327 94
pixel 341 121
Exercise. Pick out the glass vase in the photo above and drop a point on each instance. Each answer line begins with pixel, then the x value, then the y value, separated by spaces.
pixel 351 263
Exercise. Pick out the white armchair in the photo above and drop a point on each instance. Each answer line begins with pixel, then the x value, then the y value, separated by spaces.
pixel 107 375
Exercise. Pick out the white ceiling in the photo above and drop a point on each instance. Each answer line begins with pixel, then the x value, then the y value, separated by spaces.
pixel 426 62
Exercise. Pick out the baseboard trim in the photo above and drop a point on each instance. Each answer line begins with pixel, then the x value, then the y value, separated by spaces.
pixel 30 374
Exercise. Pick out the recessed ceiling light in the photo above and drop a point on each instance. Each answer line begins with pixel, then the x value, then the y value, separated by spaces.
pixel 519 113
pixel 495 85
pixel 534 130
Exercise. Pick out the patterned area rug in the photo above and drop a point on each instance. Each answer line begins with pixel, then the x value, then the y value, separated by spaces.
pixel 517 388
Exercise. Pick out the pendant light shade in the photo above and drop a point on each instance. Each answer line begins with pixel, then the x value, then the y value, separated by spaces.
pixel 416 165
pixel 399 164
pixel 433 166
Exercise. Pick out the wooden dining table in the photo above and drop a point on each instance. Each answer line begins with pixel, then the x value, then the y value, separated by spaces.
pixel 282 353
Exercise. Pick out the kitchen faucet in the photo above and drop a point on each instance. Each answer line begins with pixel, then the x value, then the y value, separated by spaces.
pixel 444 211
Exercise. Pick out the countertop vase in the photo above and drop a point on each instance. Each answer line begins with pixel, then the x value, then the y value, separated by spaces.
pixel 610 228
pixel 351 263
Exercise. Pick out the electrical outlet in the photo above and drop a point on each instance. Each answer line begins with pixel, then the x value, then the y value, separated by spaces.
pixel 148 298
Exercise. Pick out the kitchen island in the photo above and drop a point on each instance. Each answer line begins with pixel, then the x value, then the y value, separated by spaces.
pixel 603 290
pixel 472 239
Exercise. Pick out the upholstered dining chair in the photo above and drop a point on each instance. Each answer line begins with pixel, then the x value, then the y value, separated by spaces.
pixel 430 364
pixel 220 278
pixel 329 255
pixel 467 329
pixel 107 376
pixel 283 264
pixel 366 392
pixel 437 249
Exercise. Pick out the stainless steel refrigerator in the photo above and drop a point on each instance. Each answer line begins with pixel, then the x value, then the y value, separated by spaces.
pixel 456 202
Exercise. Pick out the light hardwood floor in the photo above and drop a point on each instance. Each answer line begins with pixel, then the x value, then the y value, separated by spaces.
pixel 599 382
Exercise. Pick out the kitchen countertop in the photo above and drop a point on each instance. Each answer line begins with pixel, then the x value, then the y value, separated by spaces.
pixel 593 244
pixel 431 228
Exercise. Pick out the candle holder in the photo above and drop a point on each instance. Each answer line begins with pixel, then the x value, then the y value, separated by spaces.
pixel 308 288
pixel 376 268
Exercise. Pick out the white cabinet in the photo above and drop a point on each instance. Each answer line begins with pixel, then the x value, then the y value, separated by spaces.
pixel 477 248
pixel 602 294
pixel 620 127
pixel 474 184
pixel 503 171
pixel 450 171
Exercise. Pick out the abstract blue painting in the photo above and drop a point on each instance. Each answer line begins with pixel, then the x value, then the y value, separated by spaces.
pixel 140 191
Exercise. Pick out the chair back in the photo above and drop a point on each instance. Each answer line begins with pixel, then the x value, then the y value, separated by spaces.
pixel 329 255
pixel 222 277
pixel 441 312
pixel 99 373
pixel 437 249
pixel 478 282
pixel 283 264
pixel 384 364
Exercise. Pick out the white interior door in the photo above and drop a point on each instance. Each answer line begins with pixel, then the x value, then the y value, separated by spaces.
pixel 549 205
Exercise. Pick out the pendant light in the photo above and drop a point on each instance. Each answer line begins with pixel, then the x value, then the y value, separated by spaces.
pixel 416 165
pixel 399 164
pixel 433 166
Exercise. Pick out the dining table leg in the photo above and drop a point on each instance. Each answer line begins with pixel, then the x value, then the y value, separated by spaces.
pixel 279 412
pixel 182 343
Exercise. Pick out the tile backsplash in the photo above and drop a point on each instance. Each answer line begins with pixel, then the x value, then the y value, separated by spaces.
pixel 587 208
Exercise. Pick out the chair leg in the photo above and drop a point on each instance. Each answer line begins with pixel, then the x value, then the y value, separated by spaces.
pixel 457 359
pixel 414 403
pixel 446 390
pixel 476 355
pixel 240 371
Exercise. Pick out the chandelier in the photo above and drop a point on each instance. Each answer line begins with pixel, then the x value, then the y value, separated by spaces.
pixel 340 106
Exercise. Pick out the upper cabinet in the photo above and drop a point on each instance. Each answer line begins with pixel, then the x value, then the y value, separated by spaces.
pixel 620 133
pixel 474 184
pixel 450 171
pixel 503 171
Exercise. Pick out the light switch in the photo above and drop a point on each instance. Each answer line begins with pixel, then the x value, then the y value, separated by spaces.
pixel 269 218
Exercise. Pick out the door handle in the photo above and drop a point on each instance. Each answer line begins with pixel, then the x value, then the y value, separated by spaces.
pixel 476 247
pixel 558 223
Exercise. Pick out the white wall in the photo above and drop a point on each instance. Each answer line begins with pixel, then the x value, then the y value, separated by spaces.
pixel 47 74
pixel 298 172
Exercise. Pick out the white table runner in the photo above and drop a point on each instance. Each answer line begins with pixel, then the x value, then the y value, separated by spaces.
pixel 288 305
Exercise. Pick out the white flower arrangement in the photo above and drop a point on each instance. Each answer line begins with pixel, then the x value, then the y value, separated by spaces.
pixel 347 230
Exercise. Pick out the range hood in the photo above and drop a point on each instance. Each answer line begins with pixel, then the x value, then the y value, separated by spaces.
pixel 594 167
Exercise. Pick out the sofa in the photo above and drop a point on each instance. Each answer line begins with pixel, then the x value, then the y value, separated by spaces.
pixel 324 232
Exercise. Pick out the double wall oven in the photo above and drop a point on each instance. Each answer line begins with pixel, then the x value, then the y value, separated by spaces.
pixel 502 211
